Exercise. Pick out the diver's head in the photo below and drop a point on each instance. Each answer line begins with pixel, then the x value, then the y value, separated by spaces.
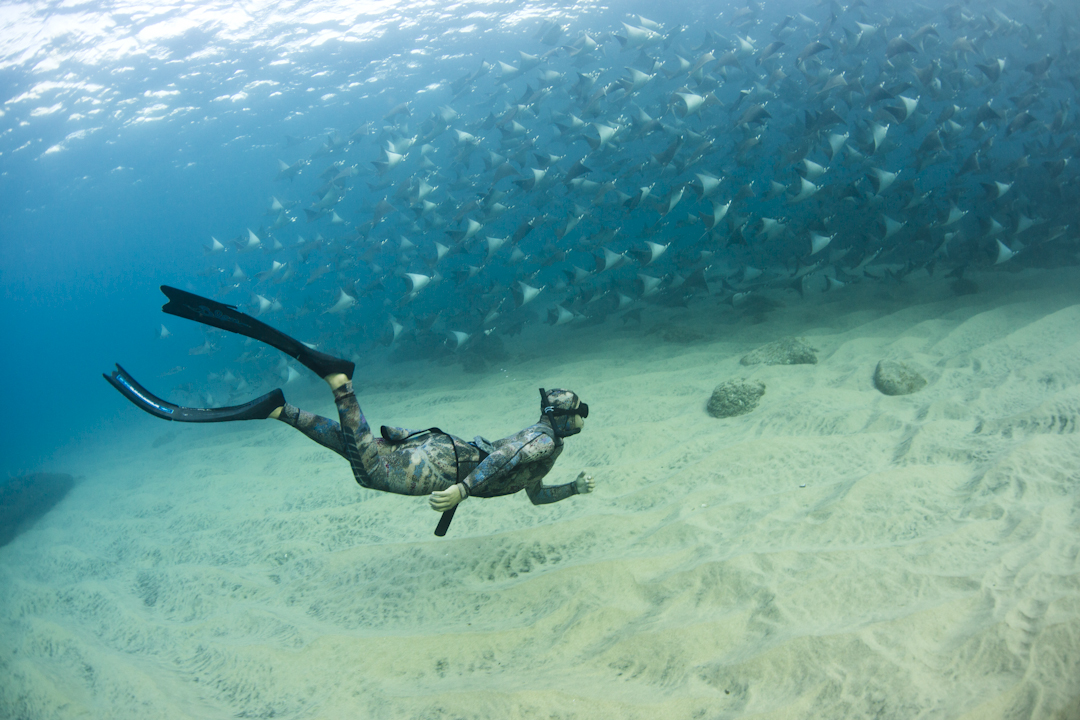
pixel 563 410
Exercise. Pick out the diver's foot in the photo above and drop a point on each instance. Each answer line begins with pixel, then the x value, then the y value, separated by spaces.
pixel 336 380
pixel 275 414
pixel 326 366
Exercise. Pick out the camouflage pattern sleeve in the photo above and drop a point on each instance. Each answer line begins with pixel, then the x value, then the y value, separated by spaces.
pixel 541 494
pixel 517 462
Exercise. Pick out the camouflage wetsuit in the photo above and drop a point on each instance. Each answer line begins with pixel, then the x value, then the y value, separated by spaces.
pixel 418 464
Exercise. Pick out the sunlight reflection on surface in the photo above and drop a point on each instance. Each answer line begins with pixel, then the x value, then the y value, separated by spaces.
pixel 112 54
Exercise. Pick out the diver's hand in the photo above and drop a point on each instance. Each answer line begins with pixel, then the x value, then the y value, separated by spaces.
pixel 443 500
pixel 584 483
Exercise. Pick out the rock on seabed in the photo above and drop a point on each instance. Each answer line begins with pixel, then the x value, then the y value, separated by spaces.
pixel 735 397
pixel 895 378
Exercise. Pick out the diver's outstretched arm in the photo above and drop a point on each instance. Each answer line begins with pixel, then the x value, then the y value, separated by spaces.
pixel 541 494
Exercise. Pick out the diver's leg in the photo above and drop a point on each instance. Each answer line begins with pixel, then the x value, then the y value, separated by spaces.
pixel 322 430
pixel 404 470
pixel 360 447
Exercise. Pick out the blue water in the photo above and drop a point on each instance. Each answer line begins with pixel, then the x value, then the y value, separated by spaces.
pixel 131 135
pixel 89 231
pixel 835 549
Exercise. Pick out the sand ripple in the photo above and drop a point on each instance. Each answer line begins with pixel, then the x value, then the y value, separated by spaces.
pixel 836 553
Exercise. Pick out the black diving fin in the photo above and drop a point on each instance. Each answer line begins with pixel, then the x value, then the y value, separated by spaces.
pixel 258 409
pixel 227 317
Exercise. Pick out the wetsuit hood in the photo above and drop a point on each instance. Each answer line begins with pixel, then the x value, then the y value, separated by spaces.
pixel 559 406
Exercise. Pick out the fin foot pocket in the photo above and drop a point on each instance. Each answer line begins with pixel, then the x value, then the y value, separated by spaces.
pixel 258 409
pixel 227 317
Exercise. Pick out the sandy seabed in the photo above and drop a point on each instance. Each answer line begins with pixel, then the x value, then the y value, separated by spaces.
pixel 837 553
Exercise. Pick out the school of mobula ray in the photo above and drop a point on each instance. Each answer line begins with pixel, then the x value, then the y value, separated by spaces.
pixel 614 170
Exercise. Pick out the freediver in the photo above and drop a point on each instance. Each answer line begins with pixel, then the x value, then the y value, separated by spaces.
pixel 418 462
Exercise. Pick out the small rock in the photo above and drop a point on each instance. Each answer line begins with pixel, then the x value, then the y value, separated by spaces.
pixel 735 397
pixel 788 351
pixel 896 378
